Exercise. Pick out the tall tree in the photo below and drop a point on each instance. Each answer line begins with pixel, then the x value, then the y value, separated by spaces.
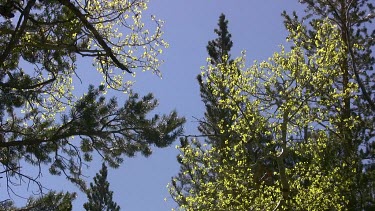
pixel 99 196
pixel 218 51
pixel 216 124
pixel 42 123
pixel 354 21
pixel 303 125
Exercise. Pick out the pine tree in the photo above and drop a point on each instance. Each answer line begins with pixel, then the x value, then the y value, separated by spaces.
pixel 216 125
pixel 43 124
pixel 51 201
pixel 186 181
pixel 99 196
pixel 218 51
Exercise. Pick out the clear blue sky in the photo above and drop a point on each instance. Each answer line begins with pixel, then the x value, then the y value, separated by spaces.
pixel 256 26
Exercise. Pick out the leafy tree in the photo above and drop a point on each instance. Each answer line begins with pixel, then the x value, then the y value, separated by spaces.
pixel 354 21
pixel 42 123
pixel 189 179
pixel 217 50
pixel 99 196
pixel 306 130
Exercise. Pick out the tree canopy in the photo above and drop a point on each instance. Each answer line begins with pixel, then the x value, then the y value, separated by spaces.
pixel 42 123
pixel 299 123
pixel 294 132
pixel 354 21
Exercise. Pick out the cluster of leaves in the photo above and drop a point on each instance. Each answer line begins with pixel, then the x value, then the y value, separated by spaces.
pixel 354 20
pixel 41 122
pixel 288 131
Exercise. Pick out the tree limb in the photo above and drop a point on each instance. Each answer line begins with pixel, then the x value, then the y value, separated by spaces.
pixel 95 32
pixel 16 35
pixel 355 70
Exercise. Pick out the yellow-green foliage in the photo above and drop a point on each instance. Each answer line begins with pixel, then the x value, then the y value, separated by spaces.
pixel 294 99
pixel 119 23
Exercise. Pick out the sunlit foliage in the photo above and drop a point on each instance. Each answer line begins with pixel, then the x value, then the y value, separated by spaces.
pixel 42 123
pixel 293 99
pixel 354 20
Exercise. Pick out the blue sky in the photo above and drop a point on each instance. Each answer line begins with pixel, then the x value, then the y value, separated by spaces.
pixel 256 26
